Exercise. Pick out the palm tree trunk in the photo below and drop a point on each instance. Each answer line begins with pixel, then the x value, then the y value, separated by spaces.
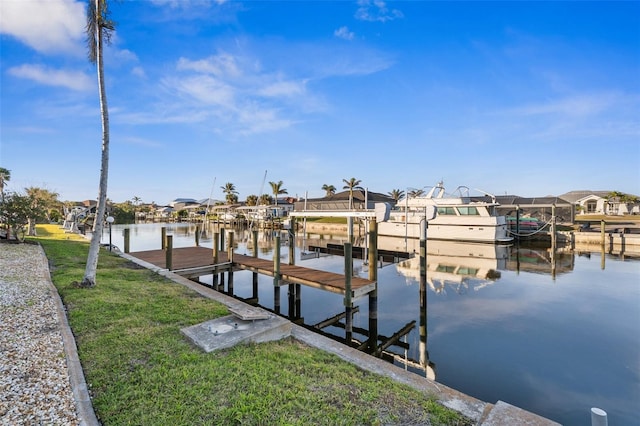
pixel 89 279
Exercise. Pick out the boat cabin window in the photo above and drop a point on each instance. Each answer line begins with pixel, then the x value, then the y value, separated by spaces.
pixel 446 268
pixel 463 270
pixel 468 211
pixel 446 211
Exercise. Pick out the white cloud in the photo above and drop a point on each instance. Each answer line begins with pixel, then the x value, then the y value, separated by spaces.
pixel 343 32
pixel 220 65
pixel 206 89
pixel 74 80
pixel 125 55
pixel 575 106
pixel 48 26
pixel 283 89
pixel 138 72
pixel 376 11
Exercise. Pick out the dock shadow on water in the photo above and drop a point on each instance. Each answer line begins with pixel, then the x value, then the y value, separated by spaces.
pixel 554 332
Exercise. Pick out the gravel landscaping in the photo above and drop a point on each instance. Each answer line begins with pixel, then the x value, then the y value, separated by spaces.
pixel 35 386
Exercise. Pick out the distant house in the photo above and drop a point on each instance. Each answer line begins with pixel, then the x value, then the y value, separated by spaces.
pixel 163 212
pixel 182 203
pixel 603 202
pixel 340 201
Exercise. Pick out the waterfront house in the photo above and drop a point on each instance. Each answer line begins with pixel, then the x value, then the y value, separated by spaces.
pixel 603 202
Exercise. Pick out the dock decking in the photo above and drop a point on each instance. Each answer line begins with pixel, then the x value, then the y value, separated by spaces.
pixel 196 261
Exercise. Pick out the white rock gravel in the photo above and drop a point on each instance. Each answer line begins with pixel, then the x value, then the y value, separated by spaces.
pixel 35 387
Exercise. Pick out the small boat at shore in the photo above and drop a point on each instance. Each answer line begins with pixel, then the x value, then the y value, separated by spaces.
pixel 458 216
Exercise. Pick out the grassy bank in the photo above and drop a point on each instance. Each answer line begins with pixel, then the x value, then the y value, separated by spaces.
pixel 141 370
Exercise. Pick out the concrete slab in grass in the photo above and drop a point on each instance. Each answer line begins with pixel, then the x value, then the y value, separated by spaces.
pixel 230 330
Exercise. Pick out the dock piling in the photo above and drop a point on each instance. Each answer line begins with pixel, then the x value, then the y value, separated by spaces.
pixel 348 274
pixel 127 240
pixel 169 253
pixel 373 295
pixel 598 417
pixel 216 255
pixel 255 274
pixel 276 275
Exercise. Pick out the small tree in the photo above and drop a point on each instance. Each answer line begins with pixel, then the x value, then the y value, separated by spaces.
pixel 5 176
pixel 41 201
pixel 15 211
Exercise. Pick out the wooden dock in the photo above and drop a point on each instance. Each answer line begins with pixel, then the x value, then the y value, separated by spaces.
pixel 197 261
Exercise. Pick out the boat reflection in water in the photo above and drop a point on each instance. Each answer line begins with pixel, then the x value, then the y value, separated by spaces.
pixel 459 265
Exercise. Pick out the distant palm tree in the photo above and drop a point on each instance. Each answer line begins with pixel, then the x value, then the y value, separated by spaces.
pixel 328 189
pixel 351 184
pixel 396 194
pixel 416 193
pixel 276 189
pixel 251 200
pixel 229 190
pixel 99 29
pixel 264 200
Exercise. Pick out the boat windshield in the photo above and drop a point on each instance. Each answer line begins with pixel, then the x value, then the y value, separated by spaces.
pixel 451 211
pixel 468 211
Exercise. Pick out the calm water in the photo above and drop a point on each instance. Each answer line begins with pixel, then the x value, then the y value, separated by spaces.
pixel 553 334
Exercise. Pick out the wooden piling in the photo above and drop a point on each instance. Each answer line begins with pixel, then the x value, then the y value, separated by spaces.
pixel 602 232
pixel 424 355
pixel 554 241
pixel 276 275
pixel 230 282
pixel 230 247
pixel 169 252
pixel 163 237
pixel 127 240
pixel 216 255
pixel 197 235
pixel 255 274
pixel 230 257
pixel 518 222
pixel 348 274
pixel 373 276
pixel 293 288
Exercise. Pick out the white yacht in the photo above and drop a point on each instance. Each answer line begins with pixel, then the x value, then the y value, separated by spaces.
pixel 458 217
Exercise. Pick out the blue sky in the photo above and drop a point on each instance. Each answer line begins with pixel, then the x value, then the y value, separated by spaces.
pixel 526 98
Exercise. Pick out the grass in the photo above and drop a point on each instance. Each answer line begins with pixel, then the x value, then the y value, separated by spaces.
pixel 141 370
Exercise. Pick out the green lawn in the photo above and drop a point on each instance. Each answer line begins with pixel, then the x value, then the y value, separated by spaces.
pixel 141 370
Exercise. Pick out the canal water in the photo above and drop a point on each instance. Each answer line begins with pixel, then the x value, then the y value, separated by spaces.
pixel 552 333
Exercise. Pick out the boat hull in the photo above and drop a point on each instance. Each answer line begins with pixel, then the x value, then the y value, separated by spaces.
pixel 481 229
